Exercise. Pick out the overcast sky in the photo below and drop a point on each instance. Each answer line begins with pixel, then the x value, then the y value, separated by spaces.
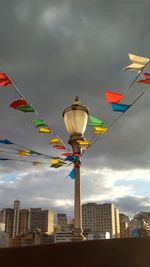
pixel 54 50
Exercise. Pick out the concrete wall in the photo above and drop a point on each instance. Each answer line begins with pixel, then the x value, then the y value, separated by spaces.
pixel 128 252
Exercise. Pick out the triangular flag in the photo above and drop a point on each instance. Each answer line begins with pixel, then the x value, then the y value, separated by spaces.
pixel 138 64
pixel 112 97
pixel 56 165
pixel 72 174
pixel 39 122
pixel 67 154
pixel 76 154
pixel 138 59
pixel 27 108
pixel 6 142
pixel 95 121
pixel 146 80
pixel 32 152
pixel 100 130
pixel 23 153
pixel 57 161
pixel 55 141
pixel 71 158
pixel 59 147
pixel 45 130
pixel 4 80
pixel 18 103
pixel 82 142
pixel 120 107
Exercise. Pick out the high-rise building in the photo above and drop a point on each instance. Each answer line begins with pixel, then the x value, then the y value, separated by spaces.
pixel 47 221
pixel 16 218
pixel 2 216
pixel 9 219
pixel 101 218
pixel 35 219
pixel 43 219
pixel 62 222
pixel 24 221
pixel 124 225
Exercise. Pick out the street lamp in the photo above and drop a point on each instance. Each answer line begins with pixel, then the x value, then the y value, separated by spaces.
pixel 75 119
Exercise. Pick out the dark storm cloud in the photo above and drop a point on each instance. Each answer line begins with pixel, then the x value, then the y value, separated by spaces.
pixel 55 50
pixel 132 205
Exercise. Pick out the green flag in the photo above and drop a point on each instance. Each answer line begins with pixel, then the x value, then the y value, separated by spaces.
pixel 32 152
pixel 39 122
pixel 93 121
pixel 27 108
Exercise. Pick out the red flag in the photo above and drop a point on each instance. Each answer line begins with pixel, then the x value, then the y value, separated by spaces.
pixel 18 103
pixel 147 78
pixel 112 97
pixel 147 75
pixel 4 80
pixel 76 154
pixel 144 81
pixel 59 147
pixel 67 154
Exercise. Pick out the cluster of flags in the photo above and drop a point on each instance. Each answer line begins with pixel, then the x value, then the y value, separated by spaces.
pixel 98 125
pixel 114 99
pixel 138 64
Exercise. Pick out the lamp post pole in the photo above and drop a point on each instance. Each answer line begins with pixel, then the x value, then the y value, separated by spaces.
pixel 77 231
pixel 75 118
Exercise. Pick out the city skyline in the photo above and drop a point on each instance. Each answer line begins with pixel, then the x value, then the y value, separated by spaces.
pixel 54 51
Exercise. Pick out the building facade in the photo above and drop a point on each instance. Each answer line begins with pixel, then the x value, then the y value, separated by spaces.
pixel 24 221
pixel 16 218
pixel 101 218
pixel 124 226
pixel 43 219
pixel 9 221
pixel 62 222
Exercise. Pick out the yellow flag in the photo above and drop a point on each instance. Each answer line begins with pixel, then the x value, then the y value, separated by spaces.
pixel 23 153
pixel 57 161
pixel 55 141
pixel 82 142
pixel 138 64
pixel 100 130
pixel 45 130
pixel 138 59
pixel 135 66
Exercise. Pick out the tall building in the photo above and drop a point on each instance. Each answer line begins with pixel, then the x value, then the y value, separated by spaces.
pixel 101 218
pixel 124 226
pixel 47 221
pixel 2 216
pixel 24 221
pixel 16 218
pixel 35 219
pixel 62 222
pixel 9 220
pixel 43 219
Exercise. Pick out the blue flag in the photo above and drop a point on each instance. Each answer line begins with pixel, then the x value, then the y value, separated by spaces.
pixel 6 142
pixel 71 158
pixel 72 174
pixel 120 107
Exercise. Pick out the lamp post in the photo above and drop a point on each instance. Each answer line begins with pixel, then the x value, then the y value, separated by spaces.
pixel 75 119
